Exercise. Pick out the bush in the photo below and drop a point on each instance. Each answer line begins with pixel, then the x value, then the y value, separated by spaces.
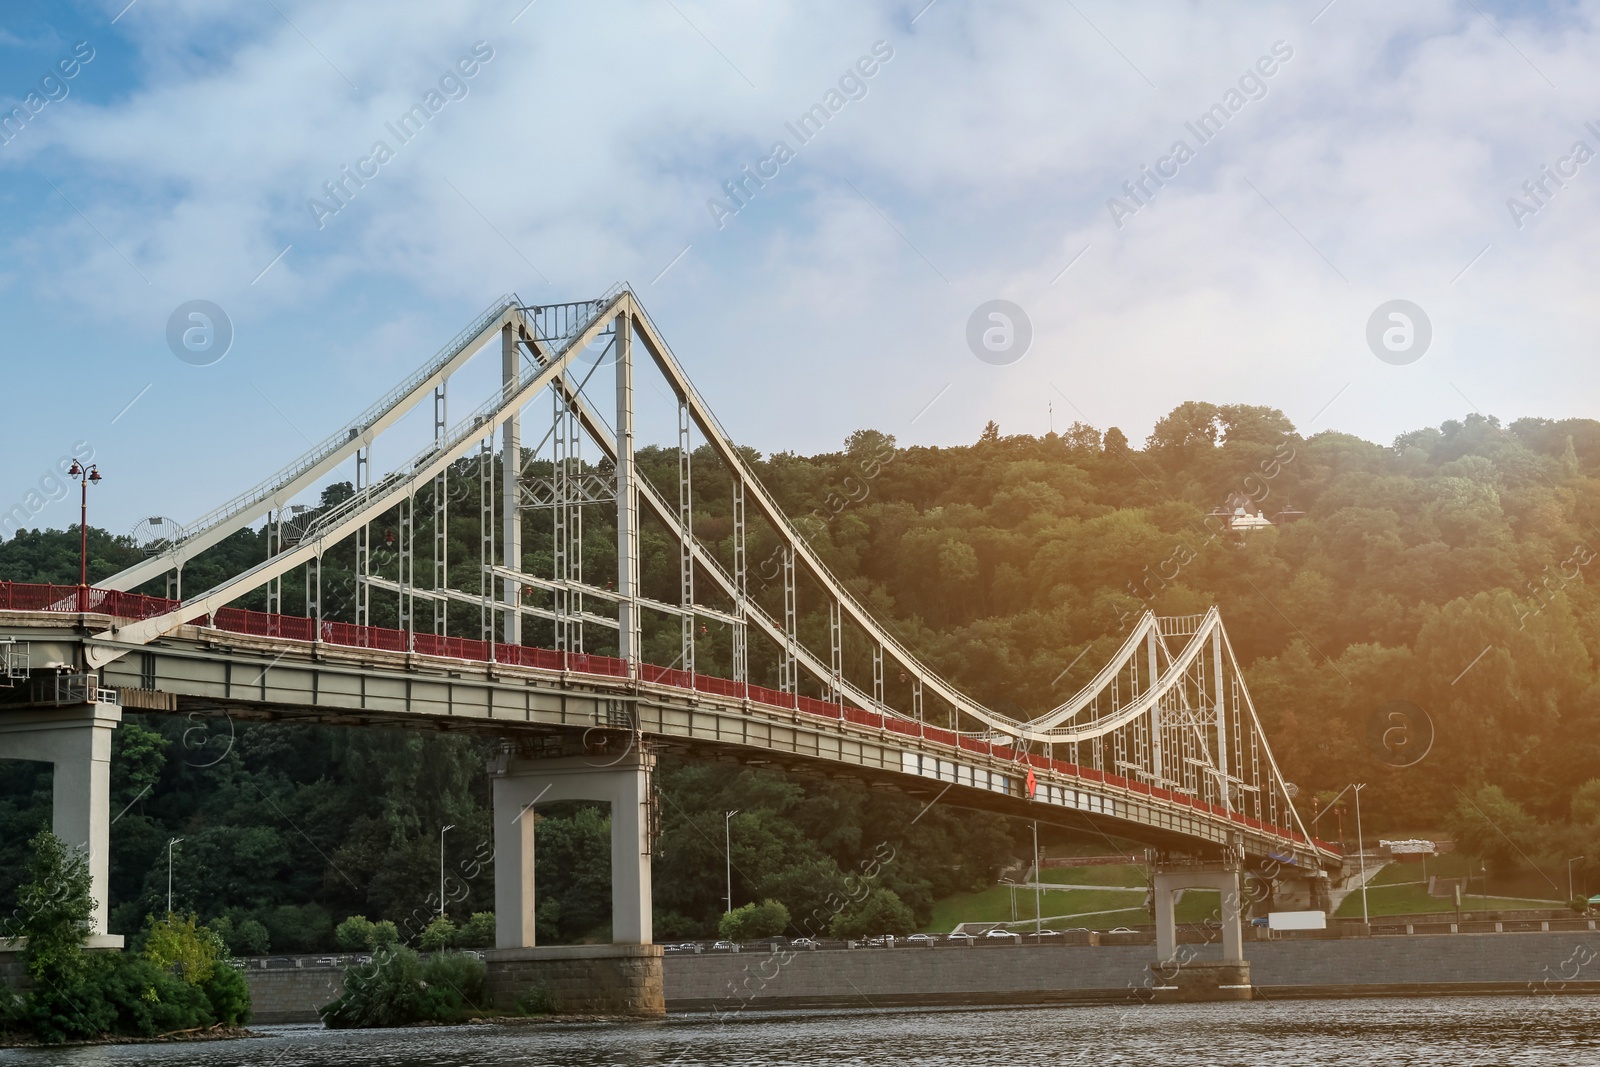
pixel 148 1000
pixel 439 934
pixel 397 989
pixel 753 921
pixel 229 995
pixel 478 931
pixel 385 934
pixel 460 984
pixel 356 934
pixel 183 947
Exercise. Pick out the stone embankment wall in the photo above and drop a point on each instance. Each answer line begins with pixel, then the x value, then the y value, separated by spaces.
pixel 1399 966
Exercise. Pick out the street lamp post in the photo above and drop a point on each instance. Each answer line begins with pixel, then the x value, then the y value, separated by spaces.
pixel 85 477
pixel 452 826
pixel 1570 893
pixel 1361 853
pixel 170 843
pixel 1038 875
pixel 727 850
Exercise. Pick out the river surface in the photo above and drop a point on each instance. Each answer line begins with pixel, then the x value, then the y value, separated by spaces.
pixel 1549 1031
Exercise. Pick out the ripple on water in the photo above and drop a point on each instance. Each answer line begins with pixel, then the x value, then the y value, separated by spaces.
pixel 1437 1032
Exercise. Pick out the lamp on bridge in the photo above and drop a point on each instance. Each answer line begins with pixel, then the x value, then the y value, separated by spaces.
pixel 85 476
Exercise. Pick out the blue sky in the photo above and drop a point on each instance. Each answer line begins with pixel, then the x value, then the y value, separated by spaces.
pixel 978 162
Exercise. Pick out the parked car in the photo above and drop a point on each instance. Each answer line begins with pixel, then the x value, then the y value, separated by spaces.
pixel 1120 930
pixel 998 933
pixel 960 935
pixel 803 942
pixel 363 959
pixel 1260 920
pixel 328 961
pixel 237 965
pixel 921 939
pixel 723 946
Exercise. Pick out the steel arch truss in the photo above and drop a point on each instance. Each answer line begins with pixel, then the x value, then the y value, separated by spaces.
pixel 1169 712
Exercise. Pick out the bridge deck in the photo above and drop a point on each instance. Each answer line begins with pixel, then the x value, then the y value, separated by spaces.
pixel 342 672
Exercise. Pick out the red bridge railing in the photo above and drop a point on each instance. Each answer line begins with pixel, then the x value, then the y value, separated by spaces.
pixel 18 596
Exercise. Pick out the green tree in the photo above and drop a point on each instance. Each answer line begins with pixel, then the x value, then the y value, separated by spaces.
pixel 477 931
pixel 57 910
pixel 752 922
pixel 439 934
pixel 881 911
pixel 1495 829
pixel 356 934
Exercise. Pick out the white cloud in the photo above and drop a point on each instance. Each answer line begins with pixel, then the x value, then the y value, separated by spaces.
pixel 591 142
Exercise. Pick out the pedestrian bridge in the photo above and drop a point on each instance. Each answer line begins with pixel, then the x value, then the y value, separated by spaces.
pixel 1162 745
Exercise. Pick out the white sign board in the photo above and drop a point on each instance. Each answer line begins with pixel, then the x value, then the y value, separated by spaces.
pixel 1297 920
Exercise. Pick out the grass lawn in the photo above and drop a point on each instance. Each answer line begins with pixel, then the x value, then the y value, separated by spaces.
pixel 1390 898
pixel 1127 874
pixel 994 904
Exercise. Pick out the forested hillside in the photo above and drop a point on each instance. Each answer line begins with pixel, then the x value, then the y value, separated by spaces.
pixel 1449 569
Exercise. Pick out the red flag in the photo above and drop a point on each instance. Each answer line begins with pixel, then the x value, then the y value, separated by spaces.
pixel 1033 784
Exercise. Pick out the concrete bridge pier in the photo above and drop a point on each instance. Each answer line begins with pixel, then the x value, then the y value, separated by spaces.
pixel 622 978
pixel 77 741
pixel 1178 973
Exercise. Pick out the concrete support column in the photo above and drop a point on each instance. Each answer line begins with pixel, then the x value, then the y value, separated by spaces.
pixel 1179 973
pixel 513 866
pixel 1226 882
pixel 77 741
pixel 624 977
pixel 518 785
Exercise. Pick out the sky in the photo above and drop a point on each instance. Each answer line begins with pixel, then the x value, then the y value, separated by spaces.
pixel 1335 158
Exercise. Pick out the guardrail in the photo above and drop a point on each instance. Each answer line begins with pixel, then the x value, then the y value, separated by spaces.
pixel 299 628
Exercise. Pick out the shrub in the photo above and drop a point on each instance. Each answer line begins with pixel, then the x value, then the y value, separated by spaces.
pixel 183 947
pixel 389 991
pixel 539 1000
pixel 385 934
pixel 439 934
pixel 459 983
pixel 397 989
pixel 229 995
pixel 478 931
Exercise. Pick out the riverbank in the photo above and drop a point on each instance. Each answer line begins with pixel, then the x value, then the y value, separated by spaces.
pixel 210 1033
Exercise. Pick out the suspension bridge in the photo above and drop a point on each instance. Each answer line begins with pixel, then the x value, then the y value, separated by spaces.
pixel 1162 745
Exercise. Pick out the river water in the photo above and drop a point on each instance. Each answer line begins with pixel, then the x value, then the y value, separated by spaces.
pixel 1550 1031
